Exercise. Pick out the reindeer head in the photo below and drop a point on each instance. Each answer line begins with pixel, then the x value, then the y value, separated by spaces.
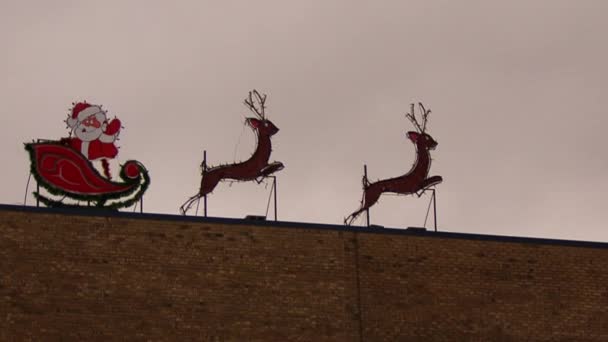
pixel 420 138
pixel 261 123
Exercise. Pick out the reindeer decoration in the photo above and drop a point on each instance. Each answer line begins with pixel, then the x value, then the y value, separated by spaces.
pixel 416 181
pixel 256 167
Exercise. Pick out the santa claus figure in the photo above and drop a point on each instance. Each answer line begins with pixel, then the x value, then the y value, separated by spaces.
pixel 93 135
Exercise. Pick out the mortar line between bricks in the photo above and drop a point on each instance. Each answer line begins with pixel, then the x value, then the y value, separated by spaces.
pixel 359 309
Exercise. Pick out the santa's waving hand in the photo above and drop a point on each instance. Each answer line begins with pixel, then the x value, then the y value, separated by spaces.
pixel 93 135
pixel 110 131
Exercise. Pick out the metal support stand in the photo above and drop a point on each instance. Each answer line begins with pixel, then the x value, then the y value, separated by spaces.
pixel 435 209
pixel 38 192
pixel 205 170
pixel 365 176
pixel 434 200
pixel 274 189
pixel 37 184
pixel 141 204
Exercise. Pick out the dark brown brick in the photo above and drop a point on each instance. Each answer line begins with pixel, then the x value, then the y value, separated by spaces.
pixel 67 276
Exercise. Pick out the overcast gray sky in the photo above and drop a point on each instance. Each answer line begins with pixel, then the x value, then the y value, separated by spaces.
pixel 517 89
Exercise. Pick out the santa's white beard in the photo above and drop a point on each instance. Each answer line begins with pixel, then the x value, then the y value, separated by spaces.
pixel 87 133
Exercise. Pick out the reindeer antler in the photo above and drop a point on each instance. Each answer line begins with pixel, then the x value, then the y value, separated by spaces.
pixel 425 115
pixel 412 117
pixel 260 99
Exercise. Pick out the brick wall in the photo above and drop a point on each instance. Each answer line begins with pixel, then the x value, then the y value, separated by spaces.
pixel 69 275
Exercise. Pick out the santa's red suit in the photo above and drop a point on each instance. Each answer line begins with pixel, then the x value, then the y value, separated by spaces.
pixel 93 149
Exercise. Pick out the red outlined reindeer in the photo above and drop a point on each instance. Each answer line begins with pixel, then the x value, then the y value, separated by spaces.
pixel 256 167
pixel 416 181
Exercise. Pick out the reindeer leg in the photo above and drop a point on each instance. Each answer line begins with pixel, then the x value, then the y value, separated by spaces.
pixel 349 220
pixel 272 168
pixel 186 206
pixel 371 195
pixel 429 182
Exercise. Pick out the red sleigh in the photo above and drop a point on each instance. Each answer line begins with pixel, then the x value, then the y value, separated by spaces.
pixel 65 172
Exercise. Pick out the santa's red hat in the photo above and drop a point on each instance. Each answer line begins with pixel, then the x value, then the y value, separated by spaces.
pixel 83 110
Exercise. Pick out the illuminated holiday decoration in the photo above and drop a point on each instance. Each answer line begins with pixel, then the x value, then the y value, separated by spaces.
pixel 65 167
pixel 416 181
pixel 256 167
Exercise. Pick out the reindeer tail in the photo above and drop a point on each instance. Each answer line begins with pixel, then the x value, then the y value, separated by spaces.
pixel 365 182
